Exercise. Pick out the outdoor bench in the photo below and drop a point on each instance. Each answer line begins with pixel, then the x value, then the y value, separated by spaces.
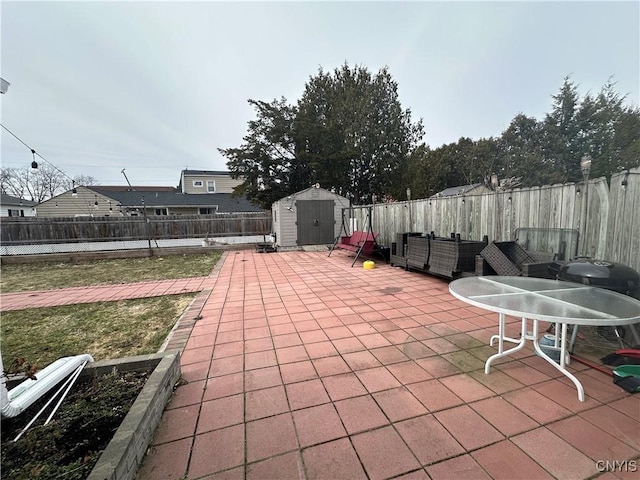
pixel 359 242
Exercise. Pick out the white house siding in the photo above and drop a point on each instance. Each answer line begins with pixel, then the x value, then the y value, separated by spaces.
pixel 17 211
pixel 11 206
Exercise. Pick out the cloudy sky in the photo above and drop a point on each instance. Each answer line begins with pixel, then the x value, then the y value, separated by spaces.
pixel 156 87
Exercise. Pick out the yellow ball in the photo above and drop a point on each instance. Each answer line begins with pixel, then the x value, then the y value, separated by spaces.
pixel 368 265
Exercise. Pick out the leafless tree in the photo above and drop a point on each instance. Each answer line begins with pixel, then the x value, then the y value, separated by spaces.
pixel 33 184
pixel 85 180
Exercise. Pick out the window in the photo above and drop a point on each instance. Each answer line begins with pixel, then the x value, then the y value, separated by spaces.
pixel 207 210
pixel 197 183
pixel 211 186
pixel 162 211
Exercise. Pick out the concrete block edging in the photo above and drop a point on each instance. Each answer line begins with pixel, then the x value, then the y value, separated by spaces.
pixel 123 455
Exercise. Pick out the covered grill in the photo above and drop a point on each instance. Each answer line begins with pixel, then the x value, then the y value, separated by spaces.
pixel 599 273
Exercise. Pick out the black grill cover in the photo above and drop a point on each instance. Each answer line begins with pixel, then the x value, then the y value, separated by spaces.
pixel 600 273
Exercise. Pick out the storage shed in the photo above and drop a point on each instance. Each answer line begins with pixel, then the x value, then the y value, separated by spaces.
pixel 309 217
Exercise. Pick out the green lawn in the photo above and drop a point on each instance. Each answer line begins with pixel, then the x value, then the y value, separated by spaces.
pixel 104 329
pixel 47 276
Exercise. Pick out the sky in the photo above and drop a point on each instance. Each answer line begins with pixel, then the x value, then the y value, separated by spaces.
pixel 158 87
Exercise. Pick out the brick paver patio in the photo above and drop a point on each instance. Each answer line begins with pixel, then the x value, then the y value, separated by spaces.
pixel 303 367
pixel 298 366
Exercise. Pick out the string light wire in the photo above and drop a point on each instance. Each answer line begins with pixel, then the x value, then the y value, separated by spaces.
pixel 34 153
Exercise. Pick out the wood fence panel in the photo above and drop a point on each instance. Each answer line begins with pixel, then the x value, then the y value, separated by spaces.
pixel 544 207
pixel 595 217
pixel 606 217
pixel 534 203
pixel 56 230
pixel 555 206
pixel 631 217
pixel 499 214
pixel 623 226
pixel 569 203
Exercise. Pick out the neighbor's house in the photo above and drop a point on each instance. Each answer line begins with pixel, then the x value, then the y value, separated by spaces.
pixel 200 192
pixel 473 189
pixel 206 181
pixel 11 206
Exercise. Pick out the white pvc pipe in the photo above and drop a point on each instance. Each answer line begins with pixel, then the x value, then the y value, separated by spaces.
pixel 72 379
pixel 15 401
pixel 68 381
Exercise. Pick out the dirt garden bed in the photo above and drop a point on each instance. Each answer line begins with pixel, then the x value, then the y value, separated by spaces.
pixel 102 429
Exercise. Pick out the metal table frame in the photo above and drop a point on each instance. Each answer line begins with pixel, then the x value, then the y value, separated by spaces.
pixel 536 299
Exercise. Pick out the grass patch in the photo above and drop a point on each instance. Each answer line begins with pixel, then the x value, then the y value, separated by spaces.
pixel 49 276
pixel 105 330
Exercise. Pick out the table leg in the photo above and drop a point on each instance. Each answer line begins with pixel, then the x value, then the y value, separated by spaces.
pixel 564 357
pixel 501 352
pixel 501 337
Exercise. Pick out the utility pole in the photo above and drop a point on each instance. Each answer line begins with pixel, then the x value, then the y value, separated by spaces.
pixel 144 210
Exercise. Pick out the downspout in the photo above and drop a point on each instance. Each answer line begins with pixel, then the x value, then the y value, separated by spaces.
pixel 13 402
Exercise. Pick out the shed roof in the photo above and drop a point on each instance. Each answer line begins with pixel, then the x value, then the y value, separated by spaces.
pixel 296 194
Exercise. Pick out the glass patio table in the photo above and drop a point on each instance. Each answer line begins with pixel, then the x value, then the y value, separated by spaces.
pixel 538 299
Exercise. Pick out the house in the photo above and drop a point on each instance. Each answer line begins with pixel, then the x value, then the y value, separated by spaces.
pixel 200 192
pixel 203 182
pixel 11 206
pixel 473 189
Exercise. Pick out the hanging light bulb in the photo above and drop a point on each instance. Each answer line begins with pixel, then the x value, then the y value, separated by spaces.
pixel 95 204
pixel 34 164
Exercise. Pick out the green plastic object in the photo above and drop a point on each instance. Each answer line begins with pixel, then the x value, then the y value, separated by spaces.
pixel 627 370
pixel 627 377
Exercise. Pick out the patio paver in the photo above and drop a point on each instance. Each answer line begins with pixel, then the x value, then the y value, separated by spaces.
pixel 300 366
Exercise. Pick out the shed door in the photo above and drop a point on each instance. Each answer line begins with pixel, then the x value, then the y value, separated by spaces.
pixel 315 221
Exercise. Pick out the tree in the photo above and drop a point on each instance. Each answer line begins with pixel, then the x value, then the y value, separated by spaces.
pixel 600 126
pixel 84 180
pixel 473 161
pixel 626 139
pixel 348 132
pixel 562 146
pixel 35 184
pixel 439 169
pixel 521 152
pixel 353 133
pixel 610 132
pixel 416 173
pixel 267 161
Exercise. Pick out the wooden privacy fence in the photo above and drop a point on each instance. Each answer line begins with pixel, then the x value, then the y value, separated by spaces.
pixel 606 216
pixel 34 230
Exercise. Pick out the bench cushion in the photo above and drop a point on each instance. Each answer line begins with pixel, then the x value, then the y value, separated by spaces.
pixel 358 239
